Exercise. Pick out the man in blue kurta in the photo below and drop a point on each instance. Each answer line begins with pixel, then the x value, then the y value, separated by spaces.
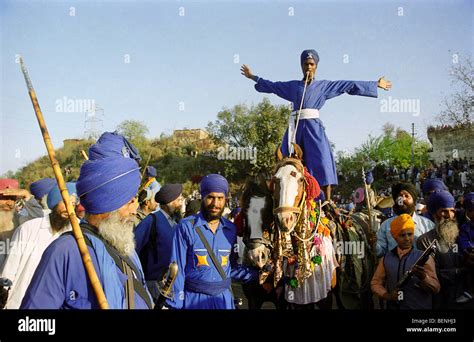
pixel 106 188
pixel 154 235
pixel 199 285
pixel 310 132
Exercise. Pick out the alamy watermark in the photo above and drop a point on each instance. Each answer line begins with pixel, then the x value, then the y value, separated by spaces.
pixel 68 105
pixel 237 153
pixel 392 105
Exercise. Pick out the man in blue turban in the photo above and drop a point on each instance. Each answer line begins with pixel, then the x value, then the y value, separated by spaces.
pixel 151 182
pixel 204 250
pixel 106 188
pixel 448 257
pixel 310 132
pixel 113 145
pixel 154 235
pixel 30 241
pixel 40 189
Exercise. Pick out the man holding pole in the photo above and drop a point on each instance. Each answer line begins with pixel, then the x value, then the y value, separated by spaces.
pixel 305 128
pixel 107 189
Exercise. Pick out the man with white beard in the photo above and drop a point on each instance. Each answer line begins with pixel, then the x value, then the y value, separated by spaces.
pixel 10 218
pixel 29 242
pixel 107 188
pixel 448 257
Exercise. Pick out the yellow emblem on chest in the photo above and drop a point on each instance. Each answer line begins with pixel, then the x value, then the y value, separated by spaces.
pixel 202 260
pixel 224 260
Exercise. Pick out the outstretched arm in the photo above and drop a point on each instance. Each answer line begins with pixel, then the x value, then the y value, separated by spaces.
pixel 245 70
pixel 361 88
pixel 281 89
pixel 384 84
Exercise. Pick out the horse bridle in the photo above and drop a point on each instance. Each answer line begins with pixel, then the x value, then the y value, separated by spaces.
pixel 300 168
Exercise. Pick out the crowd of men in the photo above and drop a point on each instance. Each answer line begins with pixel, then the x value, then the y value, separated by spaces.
pixel 135 229
pixel 137 232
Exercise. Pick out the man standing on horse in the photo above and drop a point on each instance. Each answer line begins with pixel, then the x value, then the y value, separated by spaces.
pixel 310 95
pixel 204 250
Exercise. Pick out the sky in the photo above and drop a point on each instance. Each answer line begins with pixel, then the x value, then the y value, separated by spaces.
pixel 175 65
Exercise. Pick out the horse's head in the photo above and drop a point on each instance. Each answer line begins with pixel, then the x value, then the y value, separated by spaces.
pixel 257 221
pixel 288 189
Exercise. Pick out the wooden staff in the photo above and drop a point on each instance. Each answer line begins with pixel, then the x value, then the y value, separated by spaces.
pixel 84 154
pixel 367 200
pixel 86 259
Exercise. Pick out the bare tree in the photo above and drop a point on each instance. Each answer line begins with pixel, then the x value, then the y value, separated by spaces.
pixel 458 108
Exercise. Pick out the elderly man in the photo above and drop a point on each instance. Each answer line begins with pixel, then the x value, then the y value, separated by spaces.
pixel 154 235
pixel 448 257
pixel 107 189
pixel 404 195
pixel 417 293
pixel 204 250
pixel 10 215
pixel 310 132
pixel 29 242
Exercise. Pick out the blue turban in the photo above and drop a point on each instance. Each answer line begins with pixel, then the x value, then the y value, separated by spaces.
pixel 214 183
pixel 113 145
pixel 440 199
pixel 105 185
pixel 369 177
pixel 54 195
pixel 468 203
pixel 42 187
pixel 151 171
pixel 309 54
pixel 434 184
pixel 168 193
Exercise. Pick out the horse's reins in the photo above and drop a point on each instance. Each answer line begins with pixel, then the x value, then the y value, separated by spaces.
pixel 293 139
pixel 299 166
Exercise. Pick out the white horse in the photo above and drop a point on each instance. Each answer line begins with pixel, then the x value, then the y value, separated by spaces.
pixel 289 196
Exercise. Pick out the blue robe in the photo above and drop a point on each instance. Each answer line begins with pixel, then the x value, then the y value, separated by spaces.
pixel 60 281
pixel 158 259
pixel 195 265
pixel 311 135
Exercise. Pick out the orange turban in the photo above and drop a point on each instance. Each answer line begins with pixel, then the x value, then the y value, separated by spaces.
pixel 404 221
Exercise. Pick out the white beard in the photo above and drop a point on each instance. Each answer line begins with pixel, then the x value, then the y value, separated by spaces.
pixel 119 233
pixel 6 220
pixel 448 231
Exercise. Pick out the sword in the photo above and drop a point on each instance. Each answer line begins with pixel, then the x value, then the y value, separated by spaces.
pixel 165 286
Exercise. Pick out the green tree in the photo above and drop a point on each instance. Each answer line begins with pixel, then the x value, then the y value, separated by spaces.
pixel 259 126
pixel 135 131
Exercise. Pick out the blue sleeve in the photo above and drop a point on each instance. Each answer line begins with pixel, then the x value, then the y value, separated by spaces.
pixel 179 255
pixel 47 287
pixel 142 232
pixel 361 88
pixel 239 272
pixel 382 243
pixel 464 238
pixel 284 90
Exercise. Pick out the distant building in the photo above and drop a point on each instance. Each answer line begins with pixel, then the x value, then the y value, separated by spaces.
pixel 451 142
pixel 197 137
pixel 72 142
